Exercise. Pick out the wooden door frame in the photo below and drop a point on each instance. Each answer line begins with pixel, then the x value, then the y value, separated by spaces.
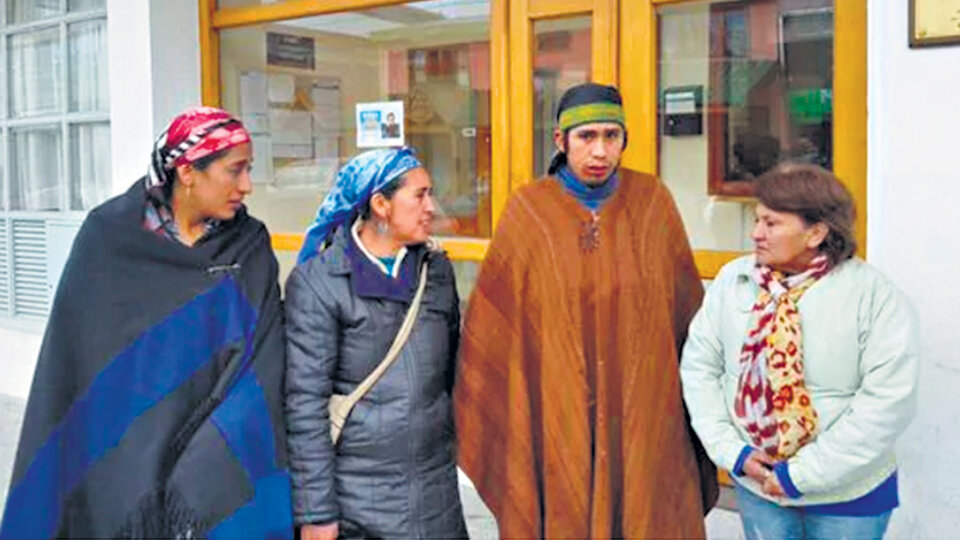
pixel 604 61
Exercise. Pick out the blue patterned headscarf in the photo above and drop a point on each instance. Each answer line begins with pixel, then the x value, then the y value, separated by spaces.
pixel 357 181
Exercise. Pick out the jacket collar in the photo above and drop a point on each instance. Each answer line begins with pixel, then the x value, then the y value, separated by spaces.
pixel 345 258
pixel 745 265
pixel 745 269
pixel 335 253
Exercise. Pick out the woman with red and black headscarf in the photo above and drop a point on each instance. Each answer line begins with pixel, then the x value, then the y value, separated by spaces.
pixel 156 407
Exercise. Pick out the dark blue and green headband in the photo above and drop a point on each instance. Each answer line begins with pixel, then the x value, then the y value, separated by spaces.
pixel 589 113
pixel 586 104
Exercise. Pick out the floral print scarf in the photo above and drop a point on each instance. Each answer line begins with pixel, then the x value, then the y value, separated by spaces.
pixel 772 401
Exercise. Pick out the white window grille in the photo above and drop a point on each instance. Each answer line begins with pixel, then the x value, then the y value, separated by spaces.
pixel 54 141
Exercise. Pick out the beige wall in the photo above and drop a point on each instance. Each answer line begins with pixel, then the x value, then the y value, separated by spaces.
pixel 711 223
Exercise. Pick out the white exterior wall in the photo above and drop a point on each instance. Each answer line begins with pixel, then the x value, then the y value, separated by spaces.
pixel 131 88
pixel 154 74
pixel 175 61
pixel 914 237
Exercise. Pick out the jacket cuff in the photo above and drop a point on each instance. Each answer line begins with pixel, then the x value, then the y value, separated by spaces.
pixel 782 470
pixel 727 453
pixel 741 460
pixel 314 519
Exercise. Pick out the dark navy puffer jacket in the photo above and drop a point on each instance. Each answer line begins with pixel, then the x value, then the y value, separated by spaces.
pixel 393 472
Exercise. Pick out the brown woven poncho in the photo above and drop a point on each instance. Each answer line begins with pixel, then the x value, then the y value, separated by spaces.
pixel 568 405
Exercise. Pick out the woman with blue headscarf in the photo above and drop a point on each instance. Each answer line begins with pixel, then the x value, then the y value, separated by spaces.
pixel 392 472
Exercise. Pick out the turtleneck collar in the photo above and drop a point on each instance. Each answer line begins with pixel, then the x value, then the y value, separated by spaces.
pixel 592 197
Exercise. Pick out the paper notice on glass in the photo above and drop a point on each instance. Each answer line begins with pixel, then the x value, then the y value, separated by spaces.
pixel 326 110
pixel 380 124
pixel 291 127
pixel 294 151
pixel 292 133
pixel 262 171
pixel 253 101
pixel 281 88
pixel 325 95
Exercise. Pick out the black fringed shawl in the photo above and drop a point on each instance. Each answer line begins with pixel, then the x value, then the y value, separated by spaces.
pixel 156 407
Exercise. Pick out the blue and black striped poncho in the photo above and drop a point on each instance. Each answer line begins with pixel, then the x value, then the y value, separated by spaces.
pixel 155 411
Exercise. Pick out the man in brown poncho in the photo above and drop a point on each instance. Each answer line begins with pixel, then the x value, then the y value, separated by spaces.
pixel 568 406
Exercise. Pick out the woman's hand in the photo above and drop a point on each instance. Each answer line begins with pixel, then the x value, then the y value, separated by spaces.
pixel 759 466
pixel 328 531
pixel 772 487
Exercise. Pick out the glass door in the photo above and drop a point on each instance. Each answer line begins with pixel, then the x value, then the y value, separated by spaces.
pixel 554 44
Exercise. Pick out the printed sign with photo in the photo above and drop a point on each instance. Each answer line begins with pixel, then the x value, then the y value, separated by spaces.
pixel 379 124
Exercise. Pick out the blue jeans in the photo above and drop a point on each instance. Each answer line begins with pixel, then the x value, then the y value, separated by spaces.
pixel 765 520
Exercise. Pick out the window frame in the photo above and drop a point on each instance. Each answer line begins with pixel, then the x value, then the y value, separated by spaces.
pixel 718 113
pixel 62 120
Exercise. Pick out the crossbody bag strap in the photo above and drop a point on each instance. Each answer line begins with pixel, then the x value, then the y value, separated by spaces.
pixel 398 342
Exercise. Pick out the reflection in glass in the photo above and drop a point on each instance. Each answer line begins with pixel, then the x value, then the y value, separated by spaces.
pixel 35 168
pixel 90 182
pixel 763 70
pixel 86 5
pixel 34 66
pixel 771 90
pixel 22 11
pixel 87 51
pixel 432 56
pixel 561 60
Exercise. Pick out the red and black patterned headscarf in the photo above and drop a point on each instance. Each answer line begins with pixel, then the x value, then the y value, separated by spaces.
pixel 194 134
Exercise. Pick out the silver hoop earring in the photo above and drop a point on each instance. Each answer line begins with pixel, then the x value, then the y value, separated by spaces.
pixel 382 228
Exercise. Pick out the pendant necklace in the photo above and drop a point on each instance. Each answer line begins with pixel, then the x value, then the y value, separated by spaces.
pixel 590 233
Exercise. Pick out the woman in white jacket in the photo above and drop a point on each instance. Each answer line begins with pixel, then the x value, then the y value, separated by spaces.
pixel 800 369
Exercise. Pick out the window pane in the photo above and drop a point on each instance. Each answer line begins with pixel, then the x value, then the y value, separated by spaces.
pixel 90 182
pixel 297 85
pixel 34 65
pixel 21 11
pixel 35 168
pixel 86 5
pixel 87 44
pixel 465 275
pixel 561 60
pixel 744 86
